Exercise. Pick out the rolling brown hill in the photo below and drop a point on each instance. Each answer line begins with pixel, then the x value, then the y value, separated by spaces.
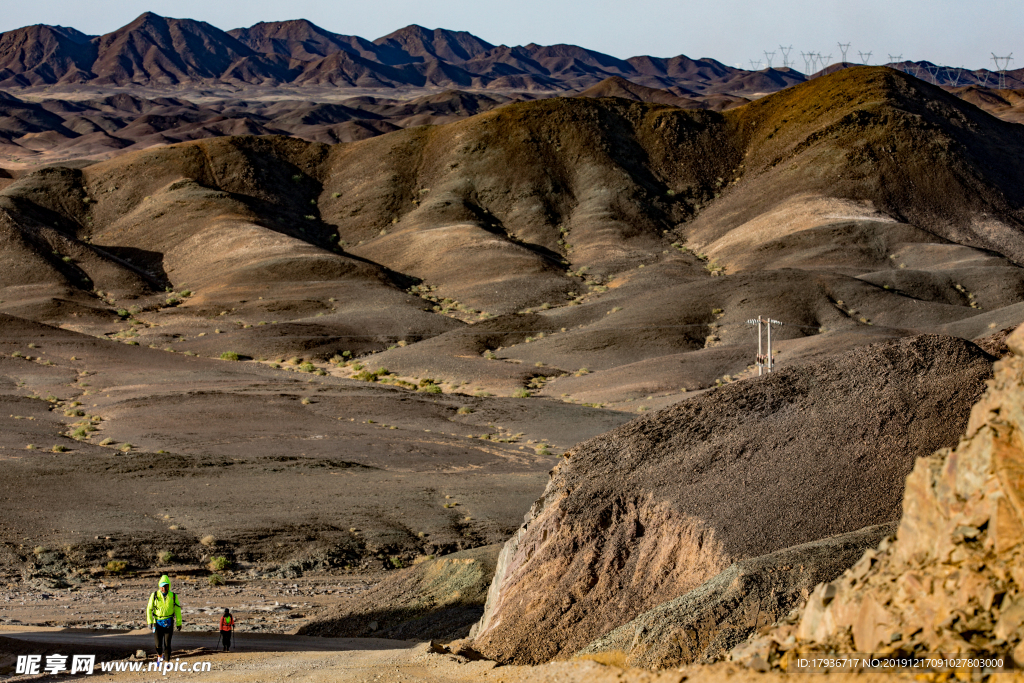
pixel 650 511
pixel 604 248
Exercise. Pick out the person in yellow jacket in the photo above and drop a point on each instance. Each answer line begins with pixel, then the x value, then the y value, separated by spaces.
pixel 162 614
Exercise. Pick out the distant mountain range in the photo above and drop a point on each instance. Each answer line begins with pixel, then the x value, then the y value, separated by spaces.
pixel 161 51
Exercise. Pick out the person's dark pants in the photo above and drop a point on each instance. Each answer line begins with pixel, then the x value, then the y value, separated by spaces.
pixel 225 639
pixel 163 641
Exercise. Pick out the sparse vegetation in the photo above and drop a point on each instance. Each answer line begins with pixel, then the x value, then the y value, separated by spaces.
pixel 59 449
pixel 166 557
pixel 117 566
pixel 521 393
pixel 230 355
pixel 215 580
pixel 219 563
pixel 374 376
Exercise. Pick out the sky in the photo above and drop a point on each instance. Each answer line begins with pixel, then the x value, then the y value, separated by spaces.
pixel 948 32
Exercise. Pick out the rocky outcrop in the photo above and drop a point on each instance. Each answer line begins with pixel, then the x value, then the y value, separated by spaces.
pixel 707 622
pixel 953 580
pixel 653 509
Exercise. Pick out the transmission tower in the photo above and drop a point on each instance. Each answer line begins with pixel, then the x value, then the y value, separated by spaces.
pixel 807 61
pixel 755 66
pixel 985 73
pixel 1005 61
pixel 933 71
pixel 952 78
pixel 769 56
pixel 765 361
pixel 785 55
pixel 865 57
pixel 843 47
pixel 896 59
pixel 825 61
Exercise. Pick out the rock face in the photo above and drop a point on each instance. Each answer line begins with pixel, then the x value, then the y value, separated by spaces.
pixel 653 509
pixel 953 580
pixel 708 621
pixel 437 599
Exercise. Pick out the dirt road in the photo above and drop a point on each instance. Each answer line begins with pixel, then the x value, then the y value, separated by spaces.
pixel 266 658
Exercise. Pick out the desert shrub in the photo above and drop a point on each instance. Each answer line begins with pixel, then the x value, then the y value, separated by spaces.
pixel 307 367
pixel 117 566
pixel 431 389
pixel 219 563
pixel 166 557
pixel 229 355
pixel 521 393
pixel 59 449
pixel 126 447
pixel 464 410
pixel 368 376
pixel 305 401
pixel 208 541
pixel 215 580
pixel 107 442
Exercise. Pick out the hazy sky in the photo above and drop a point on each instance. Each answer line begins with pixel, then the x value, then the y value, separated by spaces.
pixel 951 32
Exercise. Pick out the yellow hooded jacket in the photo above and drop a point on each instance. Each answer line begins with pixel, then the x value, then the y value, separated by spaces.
pixel 161 607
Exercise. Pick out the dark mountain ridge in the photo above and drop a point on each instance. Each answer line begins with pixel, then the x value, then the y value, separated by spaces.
pixel 160 51
pixel 155 50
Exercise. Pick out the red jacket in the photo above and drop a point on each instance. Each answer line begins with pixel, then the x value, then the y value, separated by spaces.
pixel 227 623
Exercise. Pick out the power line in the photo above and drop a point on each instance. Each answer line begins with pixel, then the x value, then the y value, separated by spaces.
pixel 765 362
pixel 1002 70
pixel 785 55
